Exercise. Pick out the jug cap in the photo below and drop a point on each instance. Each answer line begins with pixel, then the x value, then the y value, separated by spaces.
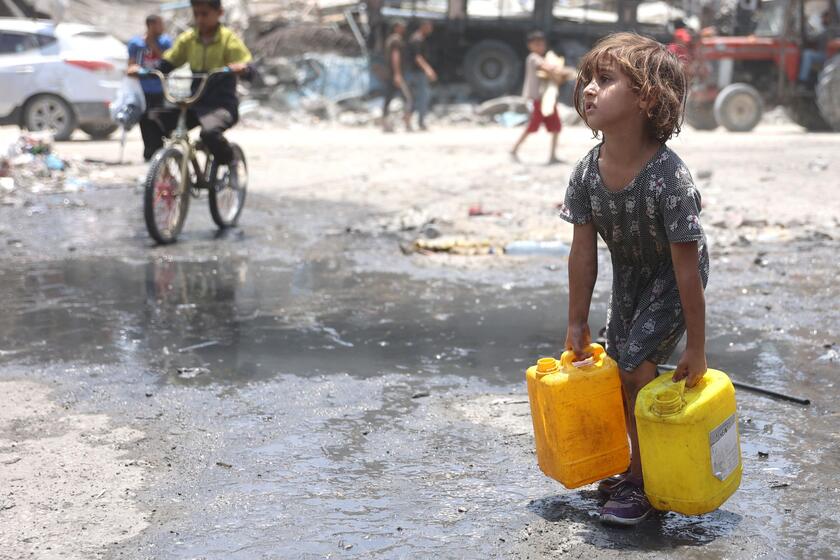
pixel 546 366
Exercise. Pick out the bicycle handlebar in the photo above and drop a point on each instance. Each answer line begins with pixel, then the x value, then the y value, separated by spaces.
pixel 204 77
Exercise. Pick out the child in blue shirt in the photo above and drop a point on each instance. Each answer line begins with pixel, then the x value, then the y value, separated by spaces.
pixel 147 51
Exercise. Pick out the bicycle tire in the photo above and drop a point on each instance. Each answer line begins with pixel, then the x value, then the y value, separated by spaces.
pixel 155 191
pixel 222 192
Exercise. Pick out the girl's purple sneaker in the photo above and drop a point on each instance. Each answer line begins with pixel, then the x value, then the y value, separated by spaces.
pixel 608 486
pixel 627 506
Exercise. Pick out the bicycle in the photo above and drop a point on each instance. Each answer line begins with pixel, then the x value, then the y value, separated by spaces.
pixel 171 181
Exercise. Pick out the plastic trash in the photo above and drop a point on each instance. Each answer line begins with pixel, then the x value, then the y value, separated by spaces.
pixel 54 163
pixel 130 103
pixel 554 248
pixel 510 119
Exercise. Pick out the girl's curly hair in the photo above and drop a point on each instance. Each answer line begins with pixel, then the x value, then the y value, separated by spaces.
pixel 654 73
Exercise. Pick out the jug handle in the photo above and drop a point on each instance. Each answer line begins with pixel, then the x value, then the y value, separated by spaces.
pixel 568 357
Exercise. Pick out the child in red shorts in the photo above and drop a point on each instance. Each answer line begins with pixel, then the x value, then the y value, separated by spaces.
pixel 533 90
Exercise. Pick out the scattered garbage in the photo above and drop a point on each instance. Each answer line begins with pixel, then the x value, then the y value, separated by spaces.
pixel 477 211
pixel 456 246
pixel 509 119
pixel 500 105
pixel 528 248
pixel 128 108
pixel 30 166
pixel 199 345
pixel 831 355
pixel 817 165
pixel 191 372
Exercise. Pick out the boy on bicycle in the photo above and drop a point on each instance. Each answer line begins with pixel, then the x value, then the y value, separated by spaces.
pixel 208 46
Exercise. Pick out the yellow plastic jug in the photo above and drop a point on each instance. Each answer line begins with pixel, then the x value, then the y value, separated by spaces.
pixel 578 416
pixel 688 439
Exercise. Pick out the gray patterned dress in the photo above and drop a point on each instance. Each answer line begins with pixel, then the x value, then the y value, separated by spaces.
pixel 660 206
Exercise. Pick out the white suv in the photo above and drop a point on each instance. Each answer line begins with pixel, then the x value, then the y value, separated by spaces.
pixel 58 77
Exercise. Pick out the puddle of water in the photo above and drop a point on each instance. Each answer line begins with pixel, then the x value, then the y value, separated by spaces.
pixel 234 320
pixel 358 454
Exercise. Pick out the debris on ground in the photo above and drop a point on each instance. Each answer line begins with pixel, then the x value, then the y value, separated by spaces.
pixel 456 246
pixel 527 248
pixel 30 166
pixel 192 372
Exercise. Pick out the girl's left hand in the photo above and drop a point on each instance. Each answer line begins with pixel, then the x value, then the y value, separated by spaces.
pixel 691 367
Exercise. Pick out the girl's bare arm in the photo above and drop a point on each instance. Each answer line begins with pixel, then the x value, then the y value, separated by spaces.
pixel 692 365
pixel 583 271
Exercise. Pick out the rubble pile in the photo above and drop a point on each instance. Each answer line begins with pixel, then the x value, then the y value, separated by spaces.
pixel 303 39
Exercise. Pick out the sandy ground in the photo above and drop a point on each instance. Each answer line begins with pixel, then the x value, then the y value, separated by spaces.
pixel 96 474
pixel 769 185
pixel 67 488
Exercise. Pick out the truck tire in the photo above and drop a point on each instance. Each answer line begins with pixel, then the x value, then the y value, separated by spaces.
pixel 492 68
pixel 49 113
pixel 701 116
pixel 828 92
pixel 738 107
pixel 804 112
pixel 99 131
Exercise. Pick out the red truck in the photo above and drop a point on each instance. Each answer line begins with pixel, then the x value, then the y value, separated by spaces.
pixel 737 78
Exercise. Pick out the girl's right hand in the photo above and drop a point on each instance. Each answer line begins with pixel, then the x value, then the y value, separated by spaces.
pixel 578 339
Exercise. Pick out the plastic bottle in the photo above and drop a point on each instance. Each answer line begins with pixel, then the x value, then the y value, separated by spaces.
pixel 688 440
pixel 557 248
pixel 578 416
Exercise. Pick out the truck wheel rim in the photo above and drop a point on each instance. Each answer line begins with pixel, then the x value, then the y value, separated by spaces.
pixel 742 110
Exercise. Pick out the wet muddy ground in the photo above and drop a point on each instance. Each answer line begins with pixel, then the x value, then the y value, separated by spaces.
pixel 291 390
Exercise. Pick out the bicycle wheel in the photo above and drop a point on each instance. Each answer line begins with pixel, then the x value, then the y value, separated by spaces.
pixel 167 196
pixel 227 199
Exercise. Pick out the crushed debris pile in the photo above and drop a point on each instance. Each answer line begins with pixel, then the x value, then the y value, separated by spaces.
pixel 302 39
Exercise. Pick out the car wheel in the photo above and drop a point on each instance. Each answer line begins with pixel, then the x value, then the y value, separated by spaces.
pixel 492 68
pixel 738 107
pixel 50 113
pixel 99 131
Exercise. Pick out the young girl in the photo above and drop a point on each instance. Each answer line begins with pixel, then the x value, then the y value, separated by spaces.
pixel 638 195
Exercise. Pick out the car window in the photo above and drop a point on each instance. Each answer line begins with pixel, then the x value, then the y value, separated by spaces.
pixel 46 40
pixel 14 43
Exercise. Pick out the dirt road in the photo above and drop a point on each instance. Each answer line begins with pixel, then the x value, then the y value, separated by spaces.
pixel 300 388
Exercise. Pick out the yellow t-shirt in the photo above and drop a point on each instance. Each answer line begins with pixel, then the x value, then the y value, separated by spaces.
pixel 226 48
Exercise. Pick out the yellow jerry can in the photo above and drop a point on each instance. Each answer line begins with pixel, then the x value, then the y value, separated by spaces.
pixel 688 439
pixel 578 415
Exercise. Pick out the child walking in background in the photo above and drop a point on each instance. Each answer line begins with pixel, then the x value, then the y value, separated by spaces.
pixel 533 89
pixel 637 194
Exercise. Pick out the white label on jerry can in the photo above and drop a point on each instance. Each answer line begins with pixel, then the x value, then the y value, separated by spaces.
pixel 725 452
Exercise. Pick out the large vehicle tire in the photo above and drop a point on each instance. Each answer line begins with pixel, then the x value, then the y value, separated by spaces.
pixel 804 112
pixel 50 113
pixel 492 68
pixel 738 107
pixel 828 92
pixel 99 131
pixel 701 116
